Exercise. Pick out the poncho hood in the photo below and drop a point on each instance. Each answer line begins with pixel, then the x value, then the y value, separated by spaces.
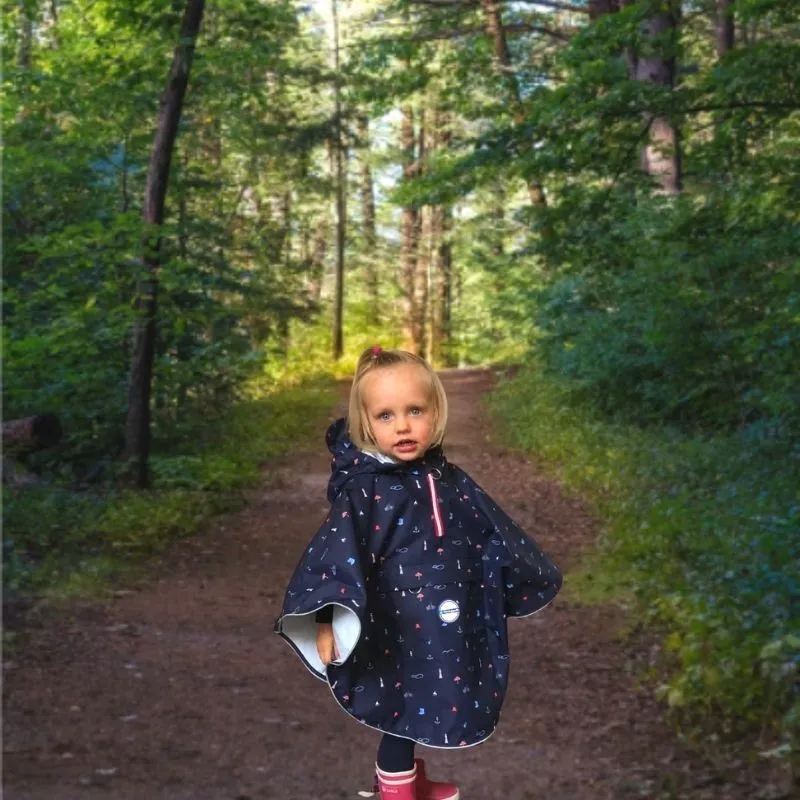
pixel 348 461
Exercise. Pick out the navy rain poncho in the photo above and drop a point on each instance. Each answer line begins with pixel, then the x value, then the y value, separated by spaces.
pixel 421 568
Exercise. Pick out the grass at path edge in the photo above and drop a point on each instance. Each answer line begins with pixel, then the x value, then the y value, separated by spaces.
pixel 58 542
pixel 704 535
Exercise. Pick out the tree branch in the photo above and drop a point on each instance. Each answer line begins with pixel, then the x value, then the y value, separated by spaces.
pixel 456 33
pixel 765 105
pixel 557 6
pixel 554 4
pixel 235 208
pixel 445 2
pixel 527 27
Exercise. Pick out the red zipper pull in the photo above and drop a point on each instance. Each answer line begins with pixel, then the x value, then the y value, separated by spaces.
pixel 437 514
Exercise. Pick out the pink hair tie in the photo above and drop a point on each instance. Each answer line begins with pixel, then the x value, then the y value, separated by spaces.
pixel 376 351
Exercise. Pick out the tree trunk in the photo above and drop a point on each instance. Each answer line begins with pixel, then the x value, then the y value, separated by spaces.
pixel 724 37
pixel 410 232
pixel 457 300
pixel 749 35
pixel 124 279
pixel 497 234
pixel 183 254
pixel 283 242
pixel 494 28
pixel 444 271
pixel 661 156
pixel 183 216
pixel 422 283
pixel 725 28
pixel 441 283
pixel 318 256
pixel 599 8
pixel 368 221
pixel 338 302
pixel 137 426
pixel 423 265
pixel 434 305
pixel 25 37
pixel 496 243
pixel 123 178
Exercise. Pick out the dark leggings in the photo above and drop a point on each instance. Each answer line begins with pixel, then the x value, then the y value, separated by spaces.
pixel 395 754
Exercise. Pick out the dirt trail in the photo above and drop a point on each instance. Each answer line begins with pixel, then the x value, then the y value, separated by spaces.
pixel 177 688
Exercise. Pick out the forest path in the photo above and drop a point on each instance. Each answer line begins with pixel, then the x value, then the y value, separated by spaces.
pixel 177 689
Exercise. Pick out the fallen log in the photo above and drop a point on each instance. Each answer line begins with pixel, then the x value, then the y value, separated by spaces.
pixel 32 433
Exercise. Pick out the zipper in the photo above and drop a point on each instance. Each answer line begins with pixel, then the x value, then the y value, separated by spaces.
pixel 437 513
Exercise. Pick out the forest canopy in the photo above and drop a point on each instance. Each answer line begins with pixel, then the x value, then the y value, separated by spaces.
pixel 611 183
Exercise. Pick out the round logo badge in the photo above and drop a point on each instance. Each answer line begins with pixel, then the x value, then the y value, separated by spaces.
pixel 449 611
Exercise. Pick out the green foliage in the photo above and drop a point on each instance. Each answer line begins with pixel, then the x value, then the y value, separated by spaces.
pixel 79 122
pixel 308 345
pixel 678 309
pixel 59 540
pixel 673 314
pixel 56 328
pixel 705 532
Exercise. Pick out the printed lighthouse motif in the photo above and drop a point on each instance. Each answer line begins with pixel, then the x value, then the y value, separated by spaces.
pixel 421 568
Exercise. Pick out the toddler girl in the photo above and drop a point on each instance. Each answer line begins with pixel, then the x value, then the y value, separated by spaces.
pixel 400 600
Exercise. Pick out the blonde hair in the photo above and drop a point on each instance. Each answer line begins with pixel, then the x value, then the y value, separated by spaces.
pixel 376 358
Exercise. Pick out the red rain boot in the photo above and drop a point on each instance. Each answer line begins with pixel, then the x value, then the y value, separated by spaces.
pixel 397 785
pixel 426 790
pixel 430 790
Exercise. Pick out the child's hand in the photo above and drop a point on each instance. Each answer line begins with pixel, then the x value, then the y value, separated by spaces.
pixel 326 644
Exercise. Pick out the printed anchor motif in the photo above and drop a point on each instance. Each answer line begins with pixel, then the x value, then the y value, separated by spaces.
pixel 430 566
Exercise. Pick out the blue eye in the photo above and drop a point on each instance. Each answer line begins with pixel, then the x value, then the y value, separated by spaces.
pixel 385 416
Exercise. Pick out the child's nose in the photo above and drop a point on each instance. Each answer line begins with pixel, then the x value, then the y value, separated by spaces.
pixel 402 423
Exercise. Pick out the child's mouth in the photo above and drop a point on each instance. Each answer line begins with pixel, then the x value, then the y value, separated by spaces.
pixel 406 445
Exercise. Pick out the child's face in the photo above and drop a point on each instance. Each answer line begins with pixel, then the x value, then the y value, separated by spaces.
pixel 399 406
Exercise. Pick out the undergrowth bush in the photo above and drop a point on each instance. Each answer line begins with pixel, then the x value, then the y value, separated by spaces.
pixel 309 344
pixel 681 311
pixel 57 539
pixel 704 532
